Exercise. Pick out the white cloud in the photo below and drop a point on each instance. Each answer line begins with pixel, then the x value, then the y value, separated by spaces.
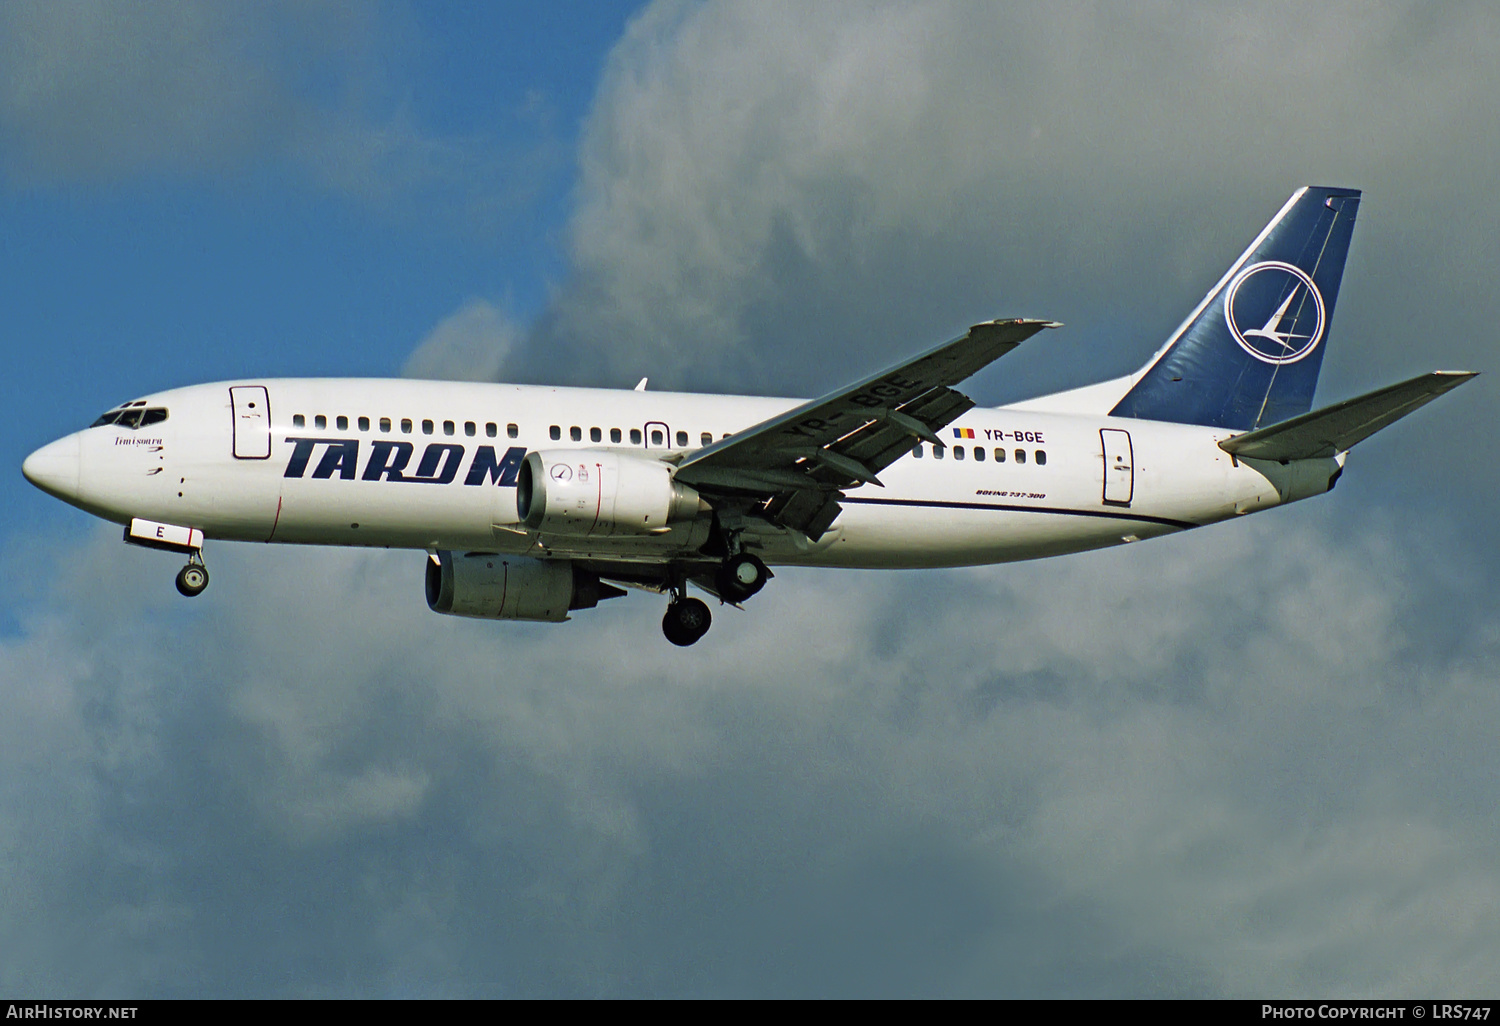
pixel 1195 790
pixel 770 193
pixel 471 344
pixel 103 91
pixel 1254 759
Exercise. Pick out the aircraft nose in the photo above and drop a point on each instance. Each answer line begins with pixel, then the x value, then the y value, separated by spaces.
pixel 54 468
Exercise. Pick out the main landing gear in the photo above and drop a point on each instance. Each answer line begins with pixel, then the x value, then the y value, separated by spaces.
pixel 740 577
pixel 688 619
pixel 193 578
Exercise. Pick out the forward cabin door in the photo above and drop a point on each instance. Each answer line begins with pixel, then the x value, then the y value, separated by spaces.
pixel 251 408
pixel 1119 467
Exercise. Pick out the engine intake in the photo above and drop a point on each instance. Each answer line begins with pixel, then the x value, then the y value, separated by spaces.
pixel 591 492
pixel 498 587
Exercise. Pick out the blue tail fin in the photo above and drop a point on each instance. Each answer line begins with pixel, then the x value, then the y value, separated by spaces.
pixel 1249 355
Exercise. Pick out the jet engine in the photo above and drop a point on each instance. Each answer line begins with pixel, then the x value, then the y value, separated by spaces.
pixel 511 587
pixel 589 492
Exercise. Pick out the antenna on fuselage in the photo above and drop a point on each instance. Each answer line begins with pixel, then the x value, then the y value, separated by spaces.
pixel 640 386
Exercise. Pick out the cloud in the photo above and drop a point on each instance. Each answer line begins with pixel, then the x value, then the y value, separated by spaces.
pixel 1254 759
pixel 470 344
pixel 1174 768
pixel 104 91
pixel 772 197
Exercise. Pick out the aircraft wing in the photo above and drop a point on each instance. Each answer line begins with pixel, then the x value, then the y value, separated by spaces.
pixel 1336 428
pixel 792 468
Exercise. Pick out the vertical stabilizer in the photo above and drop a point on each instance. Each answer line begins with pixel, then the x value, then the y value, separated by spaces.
pixel 1249 354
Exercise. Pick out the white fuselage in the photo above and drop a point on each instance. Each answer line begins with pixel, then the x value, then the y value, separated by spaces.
pixel 1067 482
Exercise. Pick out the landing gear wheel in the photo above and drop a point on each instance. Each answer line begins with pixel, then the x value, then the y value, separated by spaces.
pixel 192 579
pixel 740 577
pixel 686 621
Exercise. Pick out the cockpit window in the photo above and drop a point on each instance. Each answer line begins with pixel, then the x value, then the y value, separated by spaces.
pixel 133 416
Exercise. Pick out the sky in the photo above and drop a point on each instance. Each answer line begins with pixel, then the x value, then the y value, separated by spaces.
pixel 1253 760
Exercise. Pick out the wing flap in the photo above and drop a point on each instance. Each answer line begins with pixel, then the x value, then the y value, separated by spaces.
pixel 1335 429
pixel 796 463
pixel 918 388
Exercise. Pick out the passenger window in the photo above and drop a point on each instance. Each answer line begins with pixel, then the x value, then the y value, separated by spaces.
pixel 937 452
pixel 512 430
pixel 657 439
pixel 385 423
pixel 320 421
pixel 343 423
pixel 448 427
pixel 635 436
pixel 595 435
pixel 576 433
pixel 470 428
pixel 555 432
pixel 707 438
pixel 297 420
pixel 682 438
pixel 958 452
pixel 614 434
pixel 426 427
pixel 916 453
pixel 491 429
pixel 1041 457
pixel 999 455
pixel 406 425
pixel 1020 455
pixel 364 423
pixel 978 454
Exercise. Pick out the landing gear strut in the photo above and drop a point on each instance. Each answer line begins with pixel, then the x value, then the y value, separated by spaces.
pixel 687 620
pixel 193 578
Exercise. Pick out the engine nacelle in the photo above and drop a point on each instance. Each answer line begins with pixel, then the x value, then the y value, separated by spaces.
pixel 591 492
pixel 511 587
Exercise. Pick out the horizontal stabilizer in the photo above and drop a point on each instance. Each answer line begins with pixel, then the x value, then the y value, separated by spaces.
pixel 1336 428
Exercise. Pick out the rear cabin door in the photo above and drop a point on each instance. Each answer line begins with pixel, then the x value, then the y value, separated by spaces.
pixel 1119 467
pixel 251 409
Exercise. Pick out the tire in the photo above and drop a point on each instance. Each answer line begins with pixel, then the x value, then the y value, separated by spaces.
pixel 740 577
pixel 686 621
pixel 192 579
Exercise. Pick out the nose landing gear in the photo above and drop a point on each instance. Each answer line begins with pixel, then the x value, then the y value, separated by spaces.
pixel 193 578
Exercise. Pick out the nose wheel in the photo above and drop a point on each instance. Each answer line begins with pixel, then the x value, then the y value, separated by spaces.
pixel 687 620
pixel 193 578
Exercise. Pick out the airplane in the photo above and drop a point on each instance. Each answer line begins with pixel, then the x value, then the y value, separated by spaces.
pixel 534 502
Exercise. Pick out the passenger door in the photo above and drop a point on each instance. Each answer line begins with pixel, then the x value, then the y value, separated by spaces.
pixel 1119 467
pixel 251 408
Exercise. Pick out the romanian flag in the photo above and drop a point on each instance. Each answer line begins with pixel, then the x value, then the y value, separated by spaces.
pixel 963 432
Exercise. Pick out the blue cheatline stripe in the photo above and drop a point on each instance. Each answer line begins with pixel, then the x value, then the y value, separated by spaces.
pixel 1003 507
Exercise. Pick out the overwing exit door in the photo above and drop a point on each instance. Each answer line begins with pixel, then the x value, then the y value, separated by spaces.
pixel 251 409
pixel 657 435
pixel 1119 467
